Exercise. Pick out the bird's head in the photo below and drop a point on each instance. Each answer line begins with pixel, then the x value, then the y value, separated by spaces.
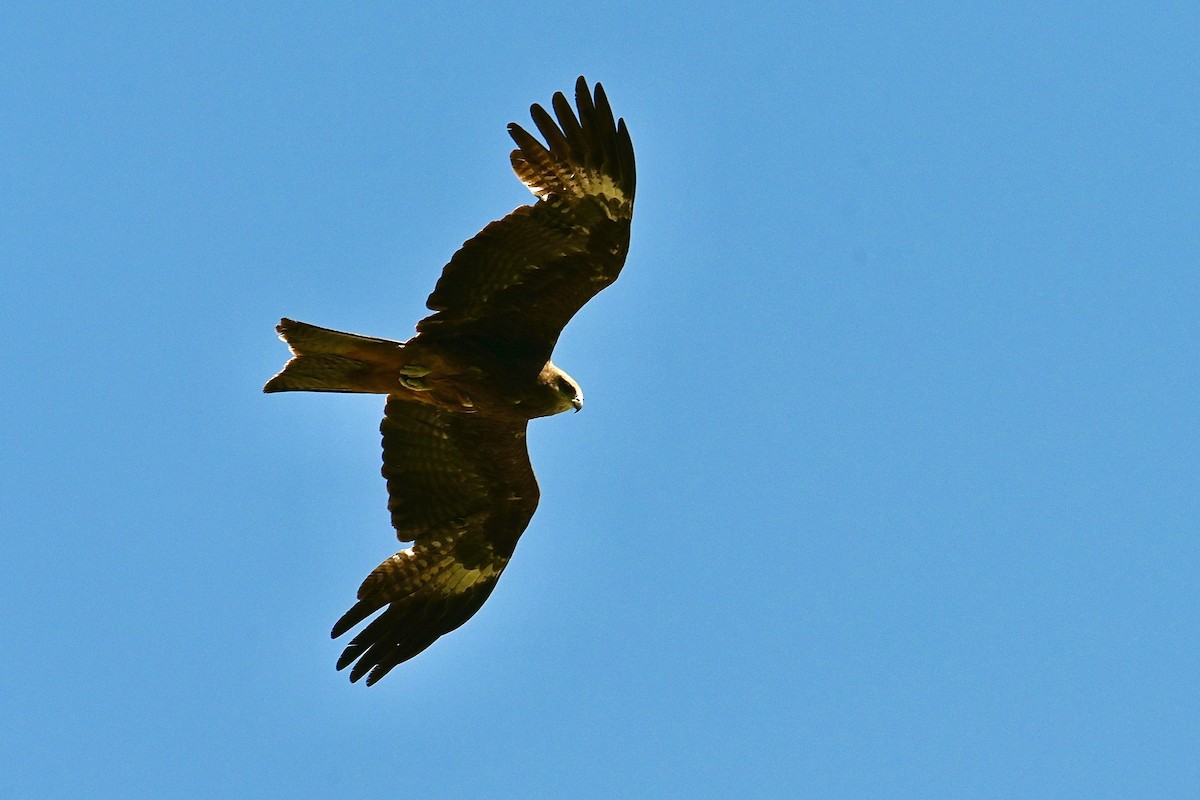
pixel 566 392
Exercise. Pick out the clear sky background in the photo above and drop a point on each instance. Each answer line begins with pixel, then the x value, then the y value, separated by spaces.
pixel 887 486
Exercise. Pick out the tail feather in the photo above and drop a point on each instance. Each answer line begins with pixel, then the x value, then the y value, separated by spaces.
pixel 326 360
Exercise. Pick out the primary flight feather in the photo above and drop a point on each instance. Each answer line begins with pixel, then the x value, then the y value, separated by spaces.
pixel 461 392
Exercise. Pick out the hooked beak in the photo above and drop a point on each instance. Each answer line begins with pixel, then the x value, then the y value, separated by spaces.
pixel 578 403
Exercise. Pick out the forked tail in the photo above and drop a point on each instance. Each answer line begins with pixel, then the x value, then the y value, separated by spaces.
pixel 326 360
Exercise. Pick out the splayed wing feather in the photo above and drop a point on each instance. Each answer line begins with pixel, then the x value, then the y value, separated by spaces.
pixel 550 131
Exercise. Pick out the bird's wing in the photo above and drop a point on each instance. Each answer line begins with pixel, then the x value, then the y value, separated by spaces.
pixel 460 487
pixel 517 283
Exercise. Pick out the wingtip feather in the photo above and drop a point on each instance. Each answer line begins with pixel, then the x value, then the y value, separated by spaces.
pixel 587 152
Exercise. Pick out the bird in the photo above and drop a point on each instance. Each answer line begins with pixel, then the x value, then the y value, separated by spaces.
pixel 461 392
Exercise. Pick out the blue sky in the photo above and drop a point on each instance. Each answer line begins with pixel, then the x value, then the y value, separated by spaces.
pixel 886 487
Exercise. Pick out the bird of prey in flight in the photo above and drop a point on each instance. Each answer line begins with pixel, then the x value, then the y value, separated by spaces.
pixel 462 390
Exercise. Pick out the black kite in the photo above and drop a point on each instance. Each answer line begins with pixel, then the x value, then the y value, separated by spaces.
pixel 461 392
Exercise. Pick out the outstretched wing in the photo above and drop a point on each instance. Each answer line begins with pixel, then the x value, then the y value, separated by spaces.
pixel 516 284
pixel 460 487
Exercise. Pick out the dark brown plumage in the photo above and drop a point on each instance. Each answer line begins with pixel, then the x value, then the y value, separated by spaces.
pixel 461 392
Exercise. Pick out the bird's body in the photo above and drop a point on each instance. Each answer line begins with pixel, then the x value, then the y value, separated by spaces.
pixel 454 376
pixel 461 392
